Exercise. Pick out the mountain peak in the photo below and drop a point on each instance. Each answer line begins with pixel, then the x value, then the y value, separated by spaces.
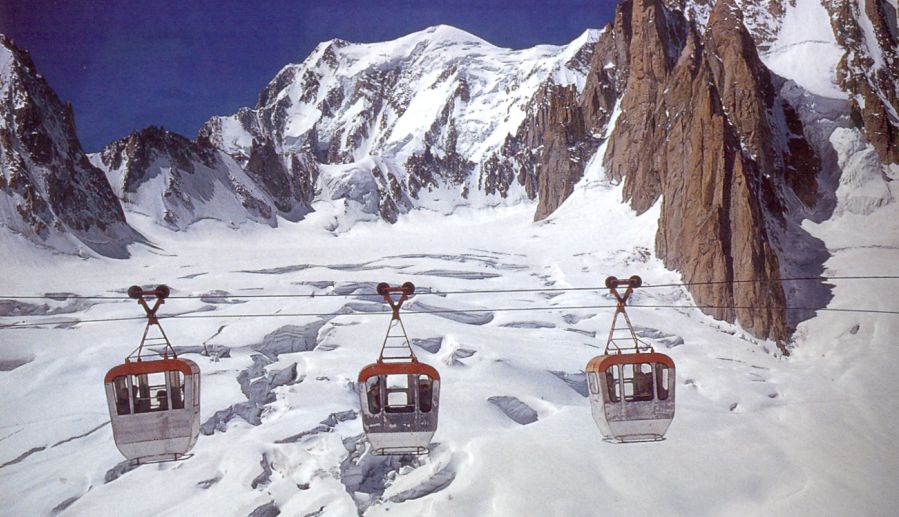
pixel 10 54
pixel 448 32
pixel 49 191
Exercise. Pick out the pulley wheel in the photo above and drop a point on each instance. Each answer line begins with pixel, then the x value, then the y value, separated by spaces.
pixel 135 291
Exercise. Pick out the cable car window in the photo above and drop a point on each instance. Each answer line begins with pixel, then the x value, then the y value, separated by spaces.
pixel 627 376
pixel 176 389
pixel 613 375
pixel 593 382
pixel 140 393
pixel 149 392
pixel 643 382
pixel 397 381
pixel 425 393
pixel 120 387
pixel 662 381
pixel 399 396
pixel 373 391
pixel 159 397
pixel 195 381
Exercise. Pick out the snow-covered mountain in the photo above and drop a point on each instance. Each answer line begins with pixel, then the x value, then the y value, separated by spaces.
pixel 177 182
pixel 50 194
pixel 420 113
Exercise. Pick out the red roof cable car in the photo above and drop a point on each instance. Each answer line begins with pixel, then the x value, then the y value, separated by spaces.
pixel 631 385
pixel 398 394
pixel 154 405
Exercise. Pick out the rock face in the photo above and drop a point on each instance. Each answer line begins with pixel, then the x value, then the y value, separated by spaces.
pixel 869 69
pixel 701 126
pixel 49 191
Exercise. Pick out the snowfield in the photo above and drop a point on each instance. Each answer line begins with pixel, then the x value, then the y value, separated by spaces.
pixel 755 432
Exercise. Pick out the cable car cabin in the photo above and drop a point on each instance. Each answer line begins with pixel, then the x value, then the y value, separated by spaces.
pixel 155 408
pixel 399 404
pixel 632 395
pixel 398 395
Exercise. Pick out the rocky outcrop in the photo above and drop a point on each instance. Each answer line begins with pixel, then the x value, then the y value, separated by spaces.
pixel 289 181
pixel 517 160
pixel 704 133
pixel 563 127
pixel 869 70
pixel 701 127
pixel 49 191
pixel 134 155
pixel 566 150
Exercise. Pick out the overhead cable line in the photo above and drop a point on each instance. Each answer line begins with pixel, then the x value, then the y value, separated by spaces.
pixel 425 290
pixel 442 311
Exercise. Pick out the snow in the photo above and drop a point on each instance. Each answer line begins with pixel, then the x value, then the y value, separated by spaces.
pixel 863 187
pixel 234 136
pixel 754 431
pixel 805 49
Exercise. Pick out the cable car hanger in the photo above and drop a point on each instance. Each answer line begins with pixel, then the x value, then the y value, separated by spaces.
pixel 613 283
pixel 161 293
pixel 406 353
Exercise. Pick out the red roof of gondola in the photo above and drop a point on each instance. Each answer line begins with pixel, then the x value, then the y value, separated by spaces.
pixel 401 368
pixel 185 366
pixel 600 363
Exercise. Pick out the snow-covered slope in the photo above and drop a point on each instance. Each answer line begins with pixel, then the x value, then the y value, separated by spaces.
pixel 754 433
pixel 804 49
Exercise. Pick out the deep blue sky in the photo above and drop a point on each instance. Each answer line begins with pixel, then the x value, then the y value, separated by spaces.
pixel 128 64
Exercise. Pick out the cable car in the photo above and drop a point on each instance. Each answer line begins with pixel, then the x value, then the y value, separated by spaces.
pixel 631 386
pixel 399 395
pixel 154 405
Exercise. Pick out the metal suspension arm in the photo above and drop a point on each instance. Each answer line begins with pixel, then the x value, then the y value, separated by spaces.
pixel 160 293
pixel 613 283
pixel 405 291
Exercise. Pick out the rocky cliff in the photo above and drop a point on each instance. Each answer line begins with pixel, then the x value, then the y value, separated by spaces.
pixel 701 129
pixel 49 191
